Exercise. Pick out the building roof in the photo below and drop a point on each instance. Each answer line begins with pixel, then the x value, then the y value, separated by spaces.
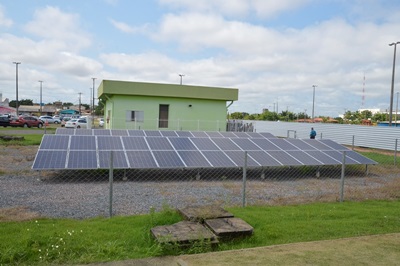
pixel 113 87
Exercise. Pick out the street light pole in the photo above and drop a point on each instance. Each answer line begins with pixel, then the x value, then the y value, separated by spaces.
pixel 392 89
pixel 93 102
pixel 40 96
pixel 397 107
pixel 313 102
pixel 16 85
pixel 181 75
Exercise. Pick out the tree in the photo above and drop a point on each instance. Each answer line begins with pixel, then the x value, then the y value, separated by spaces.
pixel 13 103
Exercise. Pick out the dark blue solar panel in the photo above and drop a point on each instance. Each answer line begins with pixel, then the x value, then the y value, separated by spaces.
pixel 246 144
pixel 168 159
pixel 228 134
pixel 119 160
pixel 324 158
pixel 266 145
pixel 283 144
pixel 152 133
pixel 301 144
pixel 338 155
pixel 109 143
pixel 214 134
pixel 157 143
pixel 182 144
pixel 82 143
pixel 304 158
pixel 54 142
pixel 334 145
pixel 248 135
pixel 284 158
pixel 204 144
pixel 82 160
pixel 268 135
pixel 83 132
pixel 199 134
pixel 218 159
pixel 184 133
pixel 119 132
pixel 317 144
pixel 226 144
pixel 65 131
pixel 238 158
pixel 359 158
pixel 101 132
pixel 168 134
pixel 134 143
pixel 136 133
pixel 193 159
pixel 263 158
pixel 50 160
pixel 141 159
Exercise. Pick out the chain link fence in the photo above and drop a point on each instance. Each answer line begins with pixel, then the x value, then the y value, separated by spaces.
pixel 108 192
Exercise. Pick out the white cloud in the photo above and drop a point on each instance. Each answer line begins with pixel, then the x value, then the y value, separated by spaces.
pixel 121 26
pixel 4 21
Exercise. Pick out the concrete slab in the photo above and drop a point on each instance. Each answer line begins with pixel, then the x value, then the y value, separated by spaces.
pixel 229 227
pixel 183 233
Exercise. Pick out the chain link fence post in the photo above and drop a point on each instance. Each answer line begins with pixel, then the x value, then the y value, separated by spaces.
pixel 342 176
pixel 111 178
pixel 244 180
pixel 395 153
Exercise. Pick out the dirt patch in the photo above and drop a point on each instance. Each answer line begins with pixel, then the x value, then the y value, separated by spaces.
pixel 17 214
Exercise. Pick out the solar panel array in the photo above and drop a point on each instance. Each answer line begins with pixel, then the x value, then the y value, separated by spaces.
pixel 143 149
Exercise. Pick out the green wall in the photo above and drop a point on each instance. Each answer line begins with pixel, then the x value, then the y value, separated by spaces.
pixel 204 115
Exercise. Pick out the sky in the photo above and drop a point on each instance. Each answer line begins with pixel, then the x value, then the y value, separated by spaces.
pixel 273 51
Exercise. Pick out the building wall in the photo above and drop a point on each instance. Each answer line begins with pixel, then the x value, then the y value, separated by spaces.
pixel 184 114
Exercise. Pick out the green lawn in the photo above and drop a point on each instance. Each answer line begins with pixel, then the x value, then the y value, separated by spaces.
pixel 58 241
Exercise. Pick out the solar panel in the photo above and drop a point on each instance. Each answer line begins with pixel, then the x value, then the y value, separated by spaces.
pixel 134 143
pixel 82 160
pixel 119 159
pixel 182 144
pixel 50 160
pixel 82 143
pixel 194 159
pixel 225 144
pixel 109 143
pixel 139 149
pixel 57 142
pixel 168 159
pixel 141 159
pixel 268 135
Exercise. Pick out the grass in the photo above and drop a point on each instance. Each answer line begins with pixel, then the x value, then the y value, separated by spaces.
pixel 58 241
pixel 30 139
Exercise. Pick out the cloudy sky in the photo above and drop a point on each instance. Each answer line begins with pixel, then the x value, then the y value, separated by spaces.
pixel 273 51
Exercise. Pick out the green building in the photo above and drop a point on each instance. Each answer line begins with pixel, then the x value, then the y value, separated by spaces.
pixel 155 106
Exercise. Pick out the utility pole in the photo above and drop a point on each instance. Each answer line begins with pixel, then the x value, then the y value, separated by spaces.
pixel 80 95
pixel 313 101
pixel 16 85
pixel 392 88
pixel 40 81
pixel 93 102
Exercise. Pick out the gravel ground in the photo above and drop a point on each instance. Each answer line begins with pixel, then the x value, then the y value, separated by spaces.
pixel 22 187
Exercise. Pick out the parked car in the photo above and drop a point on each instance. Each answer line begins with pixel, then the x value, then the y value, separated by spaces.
pixel 101 122
pixel 64 121
pixel 49 119
pixel 26 121
pixel 4 120
pixel 76 123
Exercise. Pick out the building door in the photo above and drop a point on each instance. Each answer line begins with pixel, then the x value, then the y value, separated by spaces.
pixel 163 116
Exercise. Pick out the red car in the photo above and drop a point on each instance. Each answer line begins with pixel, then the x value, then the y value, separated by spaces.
pixel 26 121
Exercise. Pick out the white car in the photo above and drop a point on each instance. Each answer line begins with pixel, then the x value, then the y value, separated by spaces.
pixel 49 119
pixel 101 122
pixel 76 123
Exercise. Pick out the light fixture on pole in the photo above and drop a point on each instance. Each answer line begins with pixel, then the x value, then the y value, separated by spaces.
pixel 40 81
pixel 392 88
pixel 313 102
pixel 181 75
pixel 16 85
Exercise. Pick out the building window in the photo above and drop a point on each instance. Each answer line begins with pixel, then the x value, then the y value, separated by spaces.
pixel 163 116
pixel 137 116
